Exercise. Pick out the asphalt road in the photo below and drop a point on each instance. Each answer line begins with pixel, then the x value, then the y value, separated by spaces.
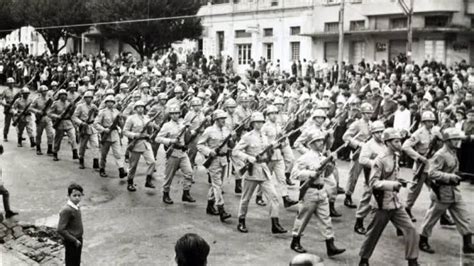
pixel 123 228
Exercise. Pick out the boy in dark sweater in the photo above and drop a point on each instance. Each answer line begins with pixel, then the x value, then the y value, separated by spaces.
pixel 70 225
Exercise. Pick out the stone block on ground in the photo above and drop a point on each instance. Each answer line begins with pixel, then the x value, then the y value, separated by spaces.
pixel 9 223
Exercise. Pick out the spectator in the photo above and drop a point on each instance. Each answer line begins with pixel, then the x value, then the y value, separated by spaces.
pixel 191 250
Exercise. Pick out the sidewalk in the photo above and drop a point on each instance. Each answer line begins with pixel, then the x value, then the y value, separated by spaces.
pixel 11 258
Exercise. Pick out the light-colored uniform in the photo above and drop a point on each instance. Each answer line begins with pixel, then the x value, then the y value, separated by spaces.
pixel 194 120
pixel 315 201
pixel 178 159
pixel 287 152
pixel 45 123
pixel 132 129
pixel 443 165
pixel 57 108
pixel 27 121
pixel 212 138
pixel 104 120
pixel 88 134
pixel 251 144
pixel 7 97
pixel 384 176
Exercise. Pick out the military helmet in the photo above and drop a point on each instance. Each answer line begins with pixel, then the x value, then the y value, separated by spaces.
pixel 10 80
pixel 218 114
pixel 178 89
pixel 25 90
pixel 109 98
pixel 271 109
pixel 257 117
pixel 162 96
pixel 136 94
pixel 196 102
pixel 43 88
pixel 366 108
pixel 323 105
pixel 138 103
pixel 144 85
pixel 316 135
pixel 174 109
pixel 319 113
pixel 278 101
pixel 86 79
pixel 452 133
pixel 62 91
pixel 123 86
pixel 54 83
pixel 109 92
pixel 230 103
pixel 377 126
pixel 427 116
pixel 391 133
pixel 88 94
pixel 71 84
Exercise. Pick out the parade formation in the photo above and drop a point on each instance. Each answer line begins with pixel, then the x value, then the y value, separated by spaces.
pixel 267 130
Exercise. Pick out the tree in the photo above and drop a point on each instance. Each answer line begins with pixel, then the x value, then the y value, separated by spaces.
pixel 47 17
pixel 147 37
pixel 7 21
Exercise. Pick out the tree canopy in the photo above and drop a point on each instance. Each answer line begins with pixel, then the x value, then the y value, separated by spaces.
pixel 7 21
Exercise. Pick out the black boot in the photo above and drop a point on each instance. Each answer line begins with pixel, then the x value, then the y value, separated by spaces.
pixel 446 220
pixel 187 197
pixel 238 186
pixel 296 246
pixel 38 150
pixel 148 182
pixel 102 172
pixel 5 138
pixel 131 186
pixel 55 156
pixel 288 180
pixel 413 219
pixel 19 142
pixel 467 247
pixel 332 250
pixel 10 213
pixel 348 202
pixel 81 163
pixel 413 262
pixel 364 262
pixel 287 202
pixel 340 190
pixel 276 227
pixel 122 172
pixel 223 215
pixel 359 226
pixel 166 198
pixel 95 163
pixel 210 208
pixel 32 142
pixel 259 201
pixel 241 226
pixel 50 150
pixel 332 210
pixel 424 245
pixel 74 154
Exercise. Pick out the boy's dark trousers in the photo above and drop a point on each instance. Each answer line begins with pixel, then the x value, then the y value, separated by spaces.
pixel 73 253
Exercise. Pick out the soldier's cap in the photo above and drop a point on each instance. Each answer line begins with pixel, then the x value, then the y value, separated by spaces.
pixel 138 104
pixel 453 133
pixel 10 80
pixel 316 135
pixel 218 114
pixel 109 98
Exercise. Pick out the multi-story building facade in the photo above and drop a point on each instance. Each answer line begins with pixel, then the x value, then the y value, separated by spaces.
pixel 374 30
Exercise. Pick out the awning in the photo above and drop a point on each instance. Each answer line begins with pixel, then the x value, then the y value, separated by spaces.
pixel 390 31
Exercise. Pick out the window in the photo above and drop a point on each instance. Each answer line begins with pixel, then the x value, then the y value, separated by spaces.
pixel 244 54
pixel 357 25
pixel 295 30
pixel 435 50
pixel 331 27
pixel 242 34
pixel 274 3
pixel 436 21
pixel 268 32
pixel 295 50
pixel 268 51
pixel 398 23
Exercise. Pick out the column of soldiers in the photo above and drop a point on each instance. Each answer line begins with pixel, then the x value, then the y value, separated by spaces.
pixel 238 139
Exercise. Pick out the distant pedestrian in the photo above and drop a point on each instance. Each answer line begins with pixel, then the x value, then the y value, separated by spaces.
pixel 191 250
pixel 70 225
pixel 6 195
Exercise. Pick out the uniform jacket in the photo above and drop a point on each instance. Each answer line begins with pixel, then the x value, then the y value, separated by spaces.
pixel 443 165
pixel 361 128
pixel 384 178
pixel 369 152
pixel 168 133
pixel 81 115
pixel 133 127
pixel 104 120
pixel 304 168
pixel 273 131
pixel 418 144
pixel 251 144
pixel 57 108
pixel 212 138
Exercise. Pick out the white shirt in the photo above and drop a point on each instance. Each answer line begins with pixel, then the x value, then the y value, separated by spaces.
pixel 402 119
pixel 70 203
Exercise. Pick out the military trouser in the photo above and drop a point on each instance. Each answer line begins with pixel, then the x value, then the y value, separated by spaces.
pixel 58 137
pixel 172 165
pixel 192 151
pixel 93 141
pixel 320 208
pixel 279 180
pixel 236 163
pixel 6 126
pixel 6 198
pixel 415 189
pixel 27 123
pixel 458 211
pixel 268 190
pixel 106 145
pixel 216 171
pixel 44 125
pixel 135 158
pixel 364 207
pixel 288 157
pixel 330 185
pixel 354 172
pixel 400 219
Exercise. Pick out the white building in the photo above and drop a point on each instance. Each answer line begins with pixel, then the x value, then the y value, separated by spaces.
pixel 28 37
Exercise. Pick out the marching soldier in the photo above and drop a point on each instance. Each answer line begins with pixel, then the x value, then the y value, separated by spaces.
pixel 231 122
pixel 211 139
pixel 43 122
pixel 272 131
pixel 159 107
pixel 83 117
pixel 368 153
pixel 194 118
pixel 357 134
pixel 7 102
pixel 65 125
pixel 177 99
pixel 107 93
pixel 251 145
pixel 417 147
pixel 281 120
pixel 135 129
pixel 72 94
pixel 123 87
pixel 385 184
pixel 315 201
pixel 26 121
pixel 178 158
pixel 445 192
pixel 110 137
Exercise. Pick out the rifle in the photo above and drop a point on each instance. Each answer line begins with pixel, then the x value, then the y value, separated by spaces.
pixel 21 115
pixel 112 127
pixel 155 133
pixel 305 186
pixel 8 107
pixel 249 166
pixel 66 112
pixel 89 120
pixel 196 133
pixel 429 154
pixel 172 146
pixel 132 144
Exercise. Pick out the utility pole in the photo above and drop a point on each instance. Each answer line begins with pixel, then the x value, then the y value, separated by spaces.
pixel 408 10
pixel 341 41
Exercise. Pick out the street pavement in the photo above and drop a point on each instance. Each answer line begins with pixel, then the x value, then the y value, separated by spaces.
pixel 124 228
